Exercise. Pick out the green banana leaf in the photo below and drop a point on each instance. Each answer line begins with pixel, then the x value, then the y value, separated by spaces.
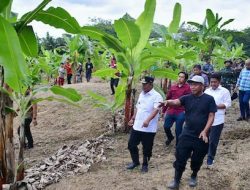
pixel 28 41
pixel 59 18
pixel 174 25
pixel 128 32
pixel 11 57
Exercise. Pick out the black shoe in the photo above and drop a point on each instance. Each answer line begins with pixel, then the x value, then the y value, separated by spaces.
pixel 144 169
pixel 132 166
pixel 248 118
pixel 192 182
pixel 30 146
pixel 173 185
pixel 241 119
pixel 169 140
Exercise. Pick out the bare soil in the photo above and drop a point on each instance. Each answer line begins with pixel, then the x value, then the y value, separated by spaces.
pixel 60 124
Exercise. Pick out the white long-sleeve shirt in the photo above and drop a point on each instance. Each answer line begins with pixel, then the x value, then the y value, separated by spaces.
pixel 221 96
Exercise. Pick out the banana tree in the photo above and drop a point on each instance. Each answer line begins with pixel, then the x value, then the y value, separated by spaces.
pixel 45 67
pixel 16 39
pixel 77 46
pixel 220 54
pixel 132 38
pixel 111 106
pixel 171 53
pixel 209 34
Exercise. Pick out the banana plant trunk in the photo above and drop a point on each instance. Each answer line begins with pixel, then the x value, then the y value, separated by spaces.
pixel 9 144
pixel 128 104
pixel 3 162
pixel 20 166
pixel 7 153
pixel 133 102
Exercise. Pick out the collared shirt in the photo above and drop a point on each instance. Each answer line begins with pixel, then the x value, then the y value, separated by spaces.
pixel 244 80
pixel 146 104
pixel 176 92
pixel 221 96
pixel 206 81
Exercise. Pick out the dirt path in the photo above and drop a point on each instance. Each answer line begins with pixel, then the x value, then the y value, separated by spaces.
pixel 60 124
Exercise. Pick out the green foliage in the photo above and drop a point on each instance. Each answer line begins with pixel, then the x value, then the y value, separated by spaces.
pixel 30 16
pixel 28 41
pixel 59 18
pixel 109 72
pixel 51 43
pixel 145 23
pixel 174 25
pixel 211 20
pixel 166 73
pixel 4 4
pixel 104 103
pixel 103 25
pixel 68 93
pixel 11 57
pixel 128 32
pixel 104 38
pixel 242 37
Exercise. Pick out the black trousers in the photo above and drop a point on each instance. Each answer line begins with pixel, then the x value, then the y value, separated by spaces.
pixel 189 147
pixel 214 137
pixel 69 76
pixel 147 140
pixel 27 131
pixel 113 83
pixel 88 75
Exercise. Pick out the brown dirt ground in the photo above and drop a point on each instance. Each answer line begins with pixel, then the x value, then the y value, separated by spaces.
pixel 60 124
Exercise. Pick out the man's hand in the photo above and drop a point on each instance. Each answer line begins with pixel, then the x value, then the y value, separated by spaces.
pixel 164 103
pixel 236 89
pixel 145 123
pixel 131 122
pixel 204 137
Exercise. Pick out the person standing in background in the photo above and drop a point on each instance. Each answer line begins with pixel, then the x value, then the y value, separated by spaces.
pixel 197 71
pixel 68 70
pixel 243 84
pixel 89 67
pixel 114 80
pixel 61 73
pixel 228 76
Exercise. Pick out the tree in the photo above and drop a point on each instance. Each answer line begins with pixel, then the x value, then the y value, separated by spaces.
pixel 209 34
pixel 241 37
pixel 16 39
pixel 129 46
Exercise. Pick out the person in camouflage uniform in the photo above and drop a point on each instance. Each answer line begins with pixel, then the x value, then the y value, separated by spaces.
pixel 228 76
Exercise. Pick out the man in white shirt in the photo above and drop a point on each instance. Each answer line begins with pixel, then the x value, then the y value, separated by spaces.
pixel 222 99
pixel 144 121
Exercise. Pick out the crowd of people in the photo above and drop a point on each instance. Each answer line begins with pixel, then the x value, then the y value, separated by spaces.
pixel 65 70
pixel 197 105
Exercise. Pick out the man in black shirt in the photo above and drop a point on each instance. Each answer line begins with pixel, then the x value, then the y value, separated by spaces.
pixel 88 67
pixel 193 142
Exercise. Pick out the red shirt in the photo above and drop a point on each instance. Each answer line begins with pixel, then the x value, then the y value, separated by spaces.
pixel 68 68
pixel 113 63
pixel 176 92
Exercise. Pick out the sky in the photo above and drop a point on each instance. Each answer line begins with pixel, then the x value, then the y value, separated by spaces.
pixel 192 10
